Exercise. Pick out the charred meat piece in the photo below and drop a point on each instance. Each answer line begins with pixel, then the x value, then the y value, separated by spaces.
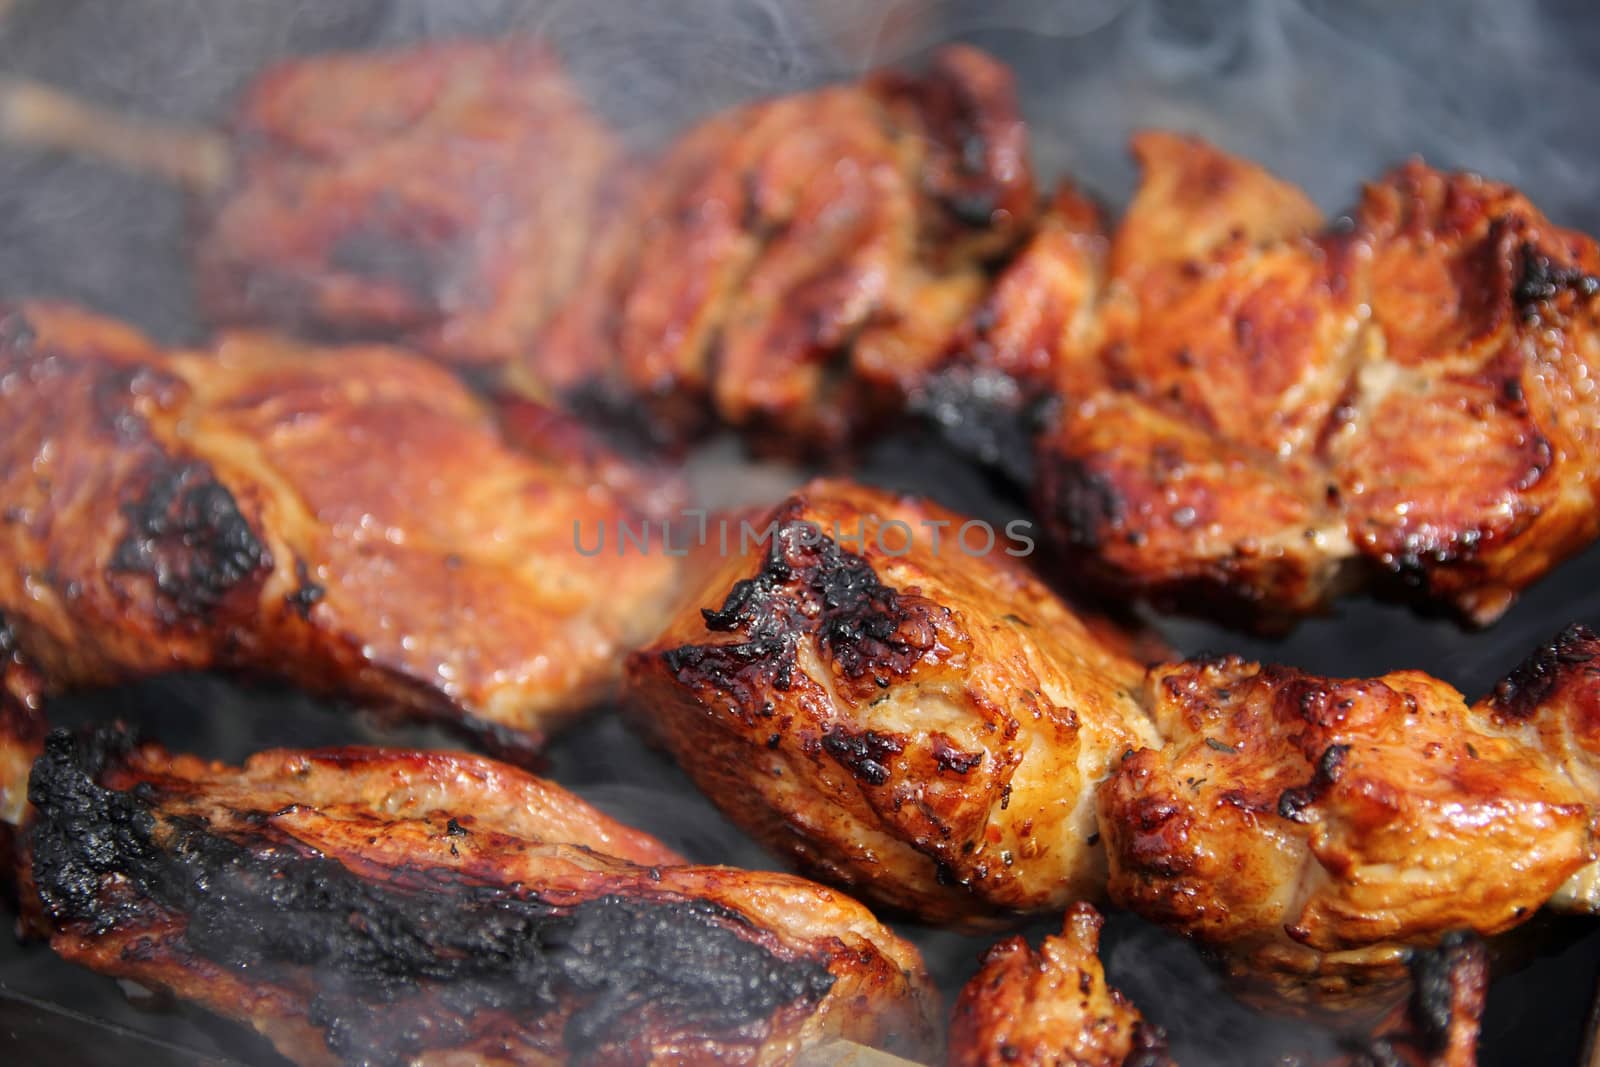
pixel 379 907
pixel 1313 830
pixel 443 195
pixel 1439 1025
pixel 1256 414
pixel 1051 1007
pixel 784 267
pixel 906 717
pixel 349 522
pixel 941 733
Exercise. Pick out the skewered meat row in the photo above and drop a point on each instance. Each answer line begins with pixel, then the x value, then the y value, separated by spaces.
pixel 1052 1006
pixel 377 907
pixel 780 261
pixel 771 268
pixel 347 522
pixel 938 732
pixel 1253 413
pixel 1259 413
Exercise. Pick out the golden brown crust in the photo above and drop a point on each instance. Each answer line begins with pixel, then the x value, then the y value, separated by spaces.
pixel 919 723
pixel 348 521
pixel 781 264
pixel 1405 397
pixel 359 905
pixel 441 194
pixel 1051 1007
pixel 1312 828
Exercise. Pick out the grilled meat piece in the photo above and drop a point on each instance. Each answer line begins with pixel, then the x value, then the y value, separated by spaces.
pixel 1312 829
pixel 1051 1007
pixel 1439 1025
pixel 380 907
pixel 348 522
pixel 937 731
pixel 441 194
pixel 784 266
pixel 918 723
pixel 1258 414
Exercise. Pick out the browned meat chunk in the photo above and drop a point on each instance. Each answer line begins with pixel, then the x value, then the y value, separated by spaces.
pixel 787 266
pixel 381 907
pixel 349 523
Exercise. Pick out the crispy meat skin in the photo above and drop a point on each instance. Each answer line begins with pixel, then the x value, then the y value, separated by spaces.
pixel 1257 414
pixel 442 194
pixel 1311 829
pixel 1051 1007
pixel 924 726
pixel 784 266
pixel 372 906
pixel 350 523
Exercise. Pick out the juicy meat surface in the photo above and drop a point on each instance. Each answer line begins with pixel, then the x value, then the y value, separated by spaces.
pixel 921 724
pixel 784 266
pixel 945 736
pixel 1257 413
pixel 1312 830
pixel 1051 1007
pixel 442 195
pixel 386 907
pixel 347 521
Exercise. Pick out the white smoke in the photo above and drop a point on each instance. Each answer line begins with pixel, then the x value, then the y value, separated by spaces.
pixel 1326 92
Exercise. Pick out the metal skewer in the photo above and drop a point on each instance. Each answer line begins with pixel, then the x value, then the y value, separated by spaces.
pixel 42 117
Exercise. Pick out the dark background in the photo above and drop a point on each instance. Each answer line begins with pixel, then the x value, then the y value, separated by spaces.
pixel 1327 94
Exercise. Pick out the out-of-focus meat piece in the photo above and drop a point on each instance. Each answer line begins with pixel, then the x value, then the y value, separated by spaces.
pixel 782 264
pixel 1439 1025
pixel 378 907
pixel 22 731
pixel 1051 1007
pixel 1421 377
pixel 1312 829
pixel 923 724
pixel 442 194
pixel 350 524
